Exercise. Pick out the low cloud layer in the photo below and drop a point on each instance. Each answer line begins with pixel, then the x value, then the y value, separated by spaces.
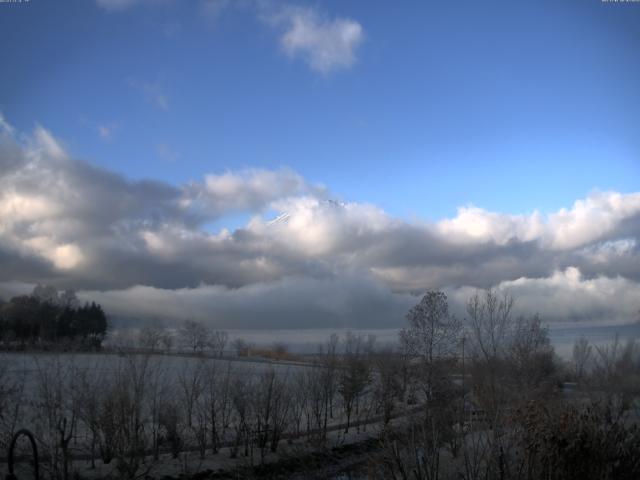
pixel 304 259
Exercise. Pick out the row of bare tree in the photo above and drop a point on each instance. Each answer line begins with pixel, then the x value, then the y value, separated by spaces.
pixel 127 411
pixel 191 335
pixel 508 413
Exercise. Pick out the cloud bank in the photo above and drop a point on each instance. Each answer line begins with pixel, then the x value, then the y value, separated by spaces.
pixel 304 259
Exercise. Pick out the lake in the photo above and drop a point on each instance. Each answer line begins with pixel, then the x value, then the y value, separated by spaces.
pixel 563 336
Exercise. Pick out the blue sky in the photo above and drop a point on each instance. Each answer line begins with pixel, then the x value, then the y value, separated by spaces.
pixel 511 106
pixel 147 145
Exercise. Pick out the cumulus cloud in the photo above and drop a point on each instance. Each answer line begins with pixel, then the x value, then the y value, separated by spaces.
pixel 143 248
pixel 324 44
pixel 589 220
pixel 246 190
pixel 567 296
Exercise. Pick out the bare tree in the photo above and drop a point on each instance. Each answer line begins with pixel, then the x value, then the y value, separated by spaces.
pixel 299 400
pixel 241 347
pixel 193 335
pixel 150 337
pixel 157 390
pixel 217 400
pixel 615 371
pixel 124 416
pixel 191 382
pixel 491 331
pixel 531 358
pixel 90 396
pixel 490 322
pixel 354 376
pixel 414 452
pixel 280 349
pixel 167 340
pixel 218 341
pixel 582 354
pixel 171 422
pixel 12 385
pixel 57 410
pixel 432 337
pixel 388 382
pixel 606 359
pixel 578 441
pixel 433 333
pixel 270 407
pixel 321 384
pixel 240 398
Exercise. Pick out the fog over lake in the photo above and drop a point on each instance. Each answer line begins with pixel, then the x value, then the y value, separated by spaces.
pixel 562 335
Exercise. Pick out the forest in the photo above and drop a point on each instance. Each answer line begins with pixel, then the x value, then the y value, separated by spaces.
pixel 50 319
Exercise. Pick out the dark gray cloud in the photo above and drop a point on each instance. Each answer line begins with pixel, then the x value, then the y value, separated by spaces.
pixel 141 248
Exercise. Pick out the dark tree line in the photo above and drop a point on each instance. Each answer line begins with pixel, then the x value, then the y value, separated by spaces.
pixel 47 316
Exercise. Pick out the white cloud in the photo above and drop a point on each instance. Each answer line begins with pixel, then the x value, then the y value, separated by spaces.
pixel 66 222
pixel 45 145
pixel 588 221
pixel 64 256
pixel 15 207
pixel 605 252
pixel 474 224
pixel 592 218
pixel 5 127
pixel 252 190
pixel 317 227
pixel 325 44
pixel 568 296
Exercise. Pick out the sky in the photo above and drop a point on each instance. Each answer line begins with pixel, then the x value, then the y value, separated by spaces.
pixel 291 164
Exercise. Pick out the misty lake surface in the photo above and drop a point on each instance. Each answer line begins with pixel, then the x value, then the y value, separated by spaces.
pixel 562 335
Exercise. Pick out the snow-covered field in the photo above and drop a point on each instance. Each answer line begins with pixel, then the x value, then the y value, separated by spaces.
pixel 29 364
pixel 173 378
